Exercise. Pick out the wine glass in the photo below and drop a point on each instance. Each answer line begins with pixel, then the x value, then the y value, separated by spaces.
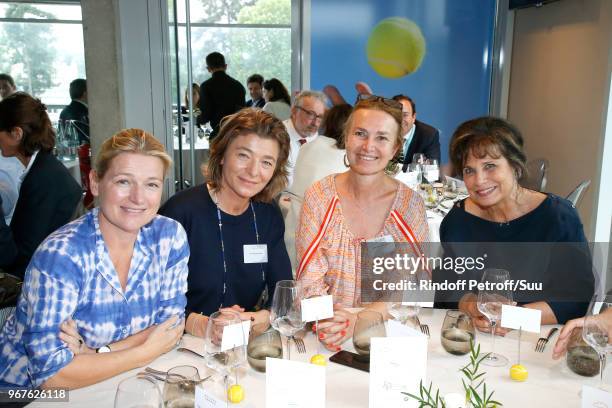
pixel 264 342
pixel 418 158
pixel 179 386
pixel 490 300
pixel 431 170
pixel 138 392
pixel 407 308
pixel 286 311
pixel 369 324
pixel 596 329
pixel 219 359
pixel 457 332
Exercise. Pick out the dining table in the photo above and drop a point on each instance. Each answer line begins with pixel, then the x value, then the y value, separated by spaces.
pixel 550 383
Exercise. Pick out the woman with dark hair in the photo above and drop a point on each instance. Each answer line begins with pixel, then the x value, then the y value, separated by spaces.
pixel 232 217
pixel 488 153
pixel 277 99
pixel 48 195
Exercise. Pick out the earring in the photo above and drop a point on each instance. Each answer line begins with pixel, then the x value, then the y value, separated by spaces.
pixel 346 162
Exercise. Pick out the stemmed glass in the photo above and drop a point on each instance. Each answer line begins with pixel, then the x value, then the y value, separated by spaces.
pixel 407 308
pixel 219 359
pixel 138 392
pixel 431 170
pixel 179 387
pixel 596 329
pixel 490 300
pixel 286 311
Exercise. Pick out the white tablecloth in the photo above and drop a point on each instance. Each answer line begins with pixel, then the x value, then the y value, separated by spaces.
pixel 550 383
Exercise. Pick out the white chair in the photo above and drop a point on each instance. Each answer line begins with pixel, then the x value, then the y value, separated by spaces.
pixel 576 196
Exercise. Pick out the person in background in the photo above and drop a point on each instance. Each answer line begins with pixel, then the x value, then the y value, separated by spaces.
pixel 254 84
pixel 342 211
pixel 303 125
pixel 7 86
pixel 418 137
pixel 232 217
pixel 277 99
pixel 317 159
pixel 489 153
pixel 220 95
pixel 11 170
pixel 195 97
pixel 48 195
pixel 76 114
pixel 62 335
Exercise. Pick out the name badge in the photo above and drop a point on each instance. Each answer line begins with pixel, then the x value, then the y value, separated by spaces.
pixel 380 246
pixel 255 253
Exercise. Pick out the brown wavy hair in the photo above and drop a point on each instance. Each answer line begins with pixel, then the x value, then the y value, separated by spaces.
pixel 334 122
pixel 30 114
pixel 130 141
pixel 243 122
pixel 488 136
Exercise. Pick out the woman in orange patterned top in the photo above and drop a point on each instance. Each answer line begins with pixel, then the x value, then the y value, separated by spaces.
pixel 363 204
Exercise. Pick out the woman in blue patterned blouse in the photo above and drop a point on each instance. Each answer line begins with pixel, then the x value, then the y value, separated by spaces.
pixel 105 293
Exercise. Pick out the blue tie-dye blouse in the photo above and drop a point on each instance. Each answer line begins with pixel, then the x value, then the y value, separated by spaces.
pixel 71 275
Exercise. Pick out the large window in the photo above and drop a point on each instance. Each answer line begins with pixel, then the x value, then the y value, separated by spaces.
pixel 41 47
pixel 254 36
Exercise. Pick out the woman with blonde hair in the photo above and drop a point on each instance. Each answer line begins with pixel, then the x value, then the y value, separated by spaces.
pixel 105 293
pixel 364 204
pixel 235 231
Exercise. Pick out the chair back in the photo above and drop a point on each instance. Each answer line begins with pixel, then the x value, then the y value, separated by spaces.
pixel 535 179
pixel 576 196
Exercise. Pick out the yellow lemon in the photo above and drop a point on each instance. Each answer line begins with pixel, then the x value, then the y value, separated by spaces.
pixel 518 372
pixel 235 393
pixel 318 359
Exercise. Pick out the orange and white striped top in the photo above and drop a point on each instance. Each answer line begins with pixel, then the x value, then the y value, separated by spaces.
pixel 330 255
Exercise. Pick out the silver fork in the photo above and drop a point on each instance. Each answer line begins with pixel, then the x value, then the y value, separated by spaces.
pixel 543 341
pixel 424 328
pixel 299 345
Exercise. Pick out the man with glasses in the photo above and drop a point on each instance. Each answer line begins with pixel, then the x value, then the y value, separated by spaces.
pixel 419 137
pixel 303 125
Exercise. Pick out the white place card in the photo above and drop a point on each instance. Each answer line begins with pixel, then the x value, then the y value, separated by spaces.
pixel 397 364
pixel 205 399
pixel 514 317
pixel 294 384
pixel 397 329
pixel 317 308
pixel 235 335
pixel 595 398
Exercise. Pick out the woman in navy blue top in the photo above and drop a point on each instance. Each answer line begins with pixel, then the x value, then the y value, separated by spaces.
pixel 235 233
pixel 537 237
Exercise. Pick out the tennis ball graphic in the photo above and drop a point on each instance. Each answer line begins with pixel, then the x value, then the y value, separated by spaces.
pixel 396 47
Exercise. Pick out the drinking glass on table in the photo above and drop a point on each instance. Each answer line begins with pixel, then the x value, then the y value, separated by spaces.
pixel 264 342
pixel 369 324
pixel 221 359
pixel 286 311
pixel 431 170
pixel 490 300
pixel 418 158
pixel 138 392
pixel 179 386
pixel 457 332
pixel 595 331
pixel 406 309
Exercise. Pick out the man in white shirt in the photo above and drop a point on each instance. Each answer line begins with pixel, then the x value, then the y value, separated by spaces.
pixel 303 125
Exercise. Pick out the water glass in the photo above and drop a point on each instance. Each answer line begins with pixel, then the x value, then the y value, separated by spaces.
pixel 264 342
pixel 179 387
pixel 418 158
pixel 369 324
pixel 457 332
pixel 138 392
pixel 581 358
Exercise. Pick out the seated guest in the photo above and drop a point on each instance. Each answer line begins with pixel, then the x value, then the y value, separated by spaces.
pixel 48 195
pixel 343 210
pixel 320 158
pixel 76 114
pixel 231 218
pixel 418 137
pixel 254 84
pixel 277 99
pixel 489 153
pixel 7 86
pixel 106 293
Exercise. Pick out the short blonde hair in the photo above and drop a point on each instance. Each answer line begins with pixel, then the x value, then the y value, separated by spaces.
pixel 264 125
pixel 130 141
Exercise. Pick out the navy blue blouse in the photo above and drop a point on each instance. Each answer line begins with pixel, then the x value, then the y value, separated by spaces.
pixel 535 247
pixel 197 213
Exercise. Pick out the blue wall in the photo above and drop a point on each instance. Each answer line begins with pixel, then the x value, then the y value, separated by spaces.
pixel 453 81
